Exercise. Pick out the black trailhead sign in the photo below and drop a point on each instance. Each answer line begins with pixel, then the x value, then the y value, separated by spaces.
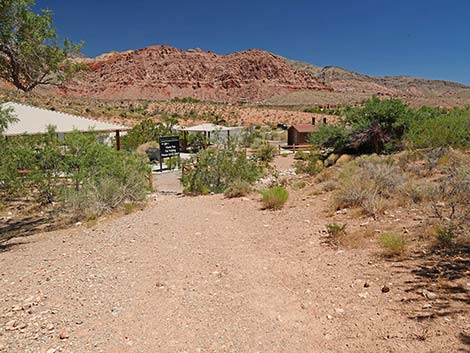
pixel 169 147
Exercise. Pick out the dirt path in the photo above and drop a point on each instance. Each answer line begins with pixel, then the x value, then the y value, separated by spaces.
pixel 201 275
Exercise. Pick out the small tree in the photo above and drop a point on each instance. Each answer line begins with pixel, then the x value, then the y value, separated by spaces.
pixel 377 123
pixel 30 54
pixel 6 118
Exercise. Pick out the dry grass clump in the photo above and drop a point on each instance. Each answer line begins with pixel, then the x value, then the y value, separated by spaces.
pixel 450 199
pixel 392 244
pixel 368 183
pixel 338 236
pixel 238 188
pixel 274 198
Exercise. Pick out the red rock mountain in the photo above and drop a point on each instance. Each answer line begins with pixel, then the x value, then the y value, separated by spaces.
pixel 162 72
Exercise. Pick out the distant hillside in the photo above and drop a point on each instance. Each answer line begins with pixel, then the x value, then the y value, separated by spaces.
pixel 343 80
pixel 163 72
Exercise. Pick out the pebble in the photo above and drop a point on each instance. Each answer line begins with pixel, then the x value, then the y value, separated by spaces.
pixel 385 289
pixel 429 295
pixel 63 335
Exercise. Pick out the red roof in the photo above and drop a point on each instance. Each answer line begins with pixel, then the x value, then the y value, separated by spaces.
pixel 304 128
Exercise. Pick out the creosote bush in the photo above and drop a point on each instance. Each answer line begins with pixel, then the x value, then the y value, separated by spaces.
pixel 274 198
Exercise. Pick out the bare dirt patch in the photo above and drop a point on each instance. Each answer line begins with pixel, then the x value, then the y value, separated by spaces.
pixel 212 275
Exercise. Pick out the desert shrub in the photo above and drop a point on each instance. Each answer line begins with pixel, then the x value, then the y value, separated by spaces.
pixel 147 131
pixel 309 164
pixel 336 233
pixel 335 229
pixel 450 197
pixel 301 156
pixel 387 125
pixel 215 169
pixel 265 153
pixel 331 136
pixel 299 185
pixel 274 198
pixel 118 179
pixel 329 185
pixel 368 182
pixel 439 130
pixel 238 188
pixel 445 236
pixel 79 174
pixel 393 244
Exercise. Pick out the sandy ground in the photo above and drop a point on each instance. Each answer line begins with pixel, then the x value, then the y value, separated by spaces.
pixel 208 274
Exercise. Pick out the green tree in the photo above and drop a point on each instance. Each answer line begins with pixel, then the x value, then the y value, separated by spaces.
pixel 147 131
pixel 377 123
pixel 6 118
pixel 30 53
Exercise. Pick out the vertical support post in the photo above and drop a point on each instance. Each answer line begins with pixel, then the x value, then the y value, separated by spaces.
pixel 185 141
pixel 118 140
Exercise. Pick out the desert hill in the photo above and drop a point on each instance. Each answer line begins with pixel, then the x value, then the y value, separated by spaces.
pixel 163 72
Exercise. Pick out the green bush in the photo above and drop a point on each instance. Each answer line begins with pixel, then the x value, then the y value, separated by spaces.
pixel 310 164
pixel 335 229
pixel 331 136
pixel 450 129
pixel 265 153
pixel 147 131
pixel 216 168
pixel 79 174
pixel 238 188
pixel 274 198
pixel 393 244
pixel 445 236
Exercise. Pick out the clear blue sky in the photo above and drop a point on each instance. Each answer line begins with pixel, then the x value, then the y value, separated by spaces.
pixel 424 38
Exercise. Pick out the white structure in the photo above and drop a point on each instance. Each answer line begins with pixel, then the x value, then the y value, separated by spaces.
pixel 33 120
pixel 217 132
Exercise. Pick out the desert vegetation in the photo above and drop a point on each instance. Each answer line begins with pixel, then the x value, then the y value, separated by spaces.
pixel 218 169
pixel 274 198
pixel 77 175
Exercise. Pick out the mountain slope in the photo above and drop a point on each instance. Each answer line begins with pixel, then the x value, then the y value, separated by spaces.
pixel 162 72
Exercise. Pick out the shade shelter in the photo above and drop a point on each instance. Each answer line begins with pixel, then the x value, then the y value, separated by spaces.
pixel 33 120
pixel 220 133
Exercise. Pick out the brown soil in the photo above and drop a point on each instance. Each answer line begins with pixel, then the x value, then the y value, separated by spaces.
pixel 206 274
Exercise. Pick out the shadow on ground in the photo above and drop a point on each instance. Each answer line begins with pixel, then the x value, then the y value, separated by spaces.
pixel 445 274
pixel 28 226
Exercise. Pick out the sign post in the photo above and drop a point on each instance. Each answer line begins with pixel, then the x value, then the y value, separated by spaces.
pixel 169 147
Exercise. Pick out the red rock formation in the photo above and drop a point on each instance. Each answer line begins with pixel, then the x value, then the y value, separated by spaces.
pixel 162 72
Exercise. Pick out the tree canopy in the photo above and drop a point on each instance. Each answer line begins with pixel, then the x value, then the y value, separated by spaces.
pixel 30 52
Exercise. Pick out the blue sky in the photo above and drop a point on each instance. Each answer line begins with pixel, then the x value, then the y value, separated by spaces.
pixel 424 38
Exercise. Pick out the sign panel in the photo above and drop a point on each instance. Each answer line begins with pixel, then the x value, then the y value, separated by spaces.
pixel 169 146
